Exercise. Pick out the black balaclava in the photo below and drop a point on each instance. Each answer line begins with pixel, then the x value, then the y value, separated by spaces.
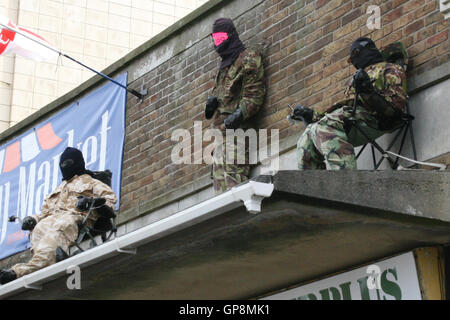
pixel 368 53
pixel 71 163
pixel 231 48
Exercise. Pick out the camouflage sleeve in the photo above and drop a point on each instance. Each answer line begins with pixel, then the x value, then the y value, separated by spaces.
pixel 319 114
pixel 391 86
pixel 49 201
pixel 394 88
pixel 45 212
pixel 101 190
pixel 253 85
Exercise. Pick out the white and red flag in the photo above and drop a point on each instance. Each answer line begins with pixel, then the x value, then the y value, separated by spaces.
pixel 18 40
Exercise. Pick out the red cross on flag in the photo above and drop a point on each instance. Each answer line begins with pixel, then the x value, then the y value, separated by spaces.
pixel 18 40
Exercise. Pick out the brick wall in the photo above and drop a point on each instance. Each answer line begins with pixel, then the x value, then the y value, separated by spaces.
pixel 305 61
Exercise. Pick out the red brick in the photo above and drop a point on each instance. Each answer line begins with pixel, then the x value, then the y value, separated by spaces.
pixel 314 57
pixel 413 27
pixel 412 5
pixel 320 3
pixel 425 33
pixel 355 14
pixel 434 40
pixel 393 15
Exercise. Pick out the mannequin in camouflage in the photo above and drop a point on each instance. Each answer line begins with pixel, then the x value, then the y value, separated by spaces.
pixel 327 141
pixel 56 227
pixel 236 97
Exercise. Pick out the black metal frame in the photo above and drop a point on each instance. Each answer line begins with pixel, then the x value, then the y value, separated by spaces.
pixel 402 130
pixel 91 233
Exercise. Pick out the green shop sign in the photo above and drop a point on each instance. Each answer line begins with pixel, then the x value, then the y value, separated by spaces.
pixel 391 279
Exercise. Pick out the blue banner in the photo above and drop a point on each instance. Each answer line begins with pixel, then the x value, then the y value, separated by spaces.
pixel 29 164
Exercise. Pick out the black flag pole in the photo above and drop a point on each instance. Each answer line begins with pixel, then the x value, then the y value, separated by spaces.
pixel 132 91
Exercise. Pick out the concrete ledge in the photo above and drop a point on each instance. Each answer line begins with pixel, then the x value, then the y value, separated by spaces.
pixel 418 193
pixel 429 78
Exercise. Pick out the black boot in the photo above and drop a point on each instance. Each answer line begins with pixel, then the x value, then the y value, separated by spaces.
pixel 7 276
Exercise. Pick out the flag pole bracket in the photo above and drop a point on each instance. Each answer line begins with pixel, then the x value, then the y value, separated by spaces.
pixel 139 94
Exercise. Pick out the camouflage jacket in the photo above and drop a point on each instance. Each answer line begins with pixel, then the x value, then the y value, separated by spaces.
pixel 389 81
pixel 64 197
pixel 240 85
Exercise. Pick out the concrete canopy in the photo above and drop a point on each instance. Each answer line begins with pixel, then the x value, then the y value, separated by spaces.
pixel 314 224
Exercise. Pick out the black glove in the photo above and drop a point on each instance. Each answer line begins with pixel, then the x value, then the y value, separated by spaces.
pixel 28 223
pixel 106 212
pixel 362 82
pixel 304 113
pixel 211 105
pixel 84 203
pixel 234 120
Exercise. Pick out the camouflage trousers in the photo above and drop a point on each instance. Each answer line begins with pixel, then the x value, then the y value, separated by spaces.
pixel 58 230
pixel 230 165
pixel 326 144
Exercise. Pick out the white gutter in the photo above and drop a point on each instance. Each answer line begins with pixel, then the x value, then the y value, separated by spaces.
pixel 249 194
